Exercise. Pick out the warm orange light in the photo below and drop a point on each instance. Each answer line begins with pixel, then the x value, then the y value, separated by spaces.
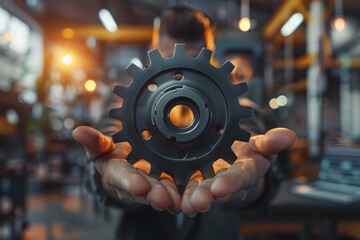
pixel 68 33
pixel 67 59
pixel 244 24
pixel 90 85
pixel 220 164
pixel 143 165
pixel 181 116
pixel 7 36
pixel 339 23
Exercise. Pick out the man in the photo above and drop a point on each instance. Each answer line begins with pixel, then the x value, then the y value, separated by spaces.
pixel 147 202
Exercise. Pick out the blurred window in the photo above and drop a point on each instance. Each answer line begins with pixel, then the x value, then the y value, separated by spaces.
pixel 20 36
pixel 14 32
pixel 4 20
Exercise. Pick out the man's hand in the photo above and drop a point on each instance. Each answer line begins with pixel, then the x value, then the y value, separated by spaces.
pixel 254 159
pixel 120 179
pixel 125 183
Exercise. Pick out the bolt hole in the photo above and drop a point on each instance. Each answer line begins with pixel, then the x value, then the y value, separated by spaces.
pixel 146 134
pixel 181 154
pixel 219 129
pixel 178 76
pixel 152 87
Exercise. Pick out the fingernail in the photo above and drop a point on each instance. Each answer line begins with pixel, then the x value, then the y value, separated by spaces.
pixel 207 209
pixel 157 209
pixel 252 143
pixel 171 212
pixel 193 214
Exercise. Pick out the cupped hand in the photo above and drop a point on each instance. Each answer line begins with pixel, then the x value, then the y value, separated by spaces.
pixel 120 179
pixel 253 160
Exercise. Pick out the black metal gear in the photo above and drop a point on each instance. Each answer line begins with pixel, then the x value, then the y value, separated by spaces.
pixel 180 80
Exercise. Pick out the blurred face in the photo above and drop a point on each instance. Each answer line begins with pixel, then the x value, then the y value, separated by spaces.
pixel 167 43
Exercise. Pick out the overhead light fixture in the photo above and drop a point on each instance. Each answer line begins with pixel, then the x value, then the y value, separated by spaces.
pixel 339 21
pixel 244 22
pixel 107 20
pixel 292 24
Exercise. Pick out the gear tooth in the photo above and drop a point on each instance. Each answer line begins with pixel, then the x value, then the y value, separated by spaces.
pixel 242 135
pixel 116 113
pixel 246 112
pixel 155 172
pixel 133 70
pixel 171 174
pixel 208 171
pixel 132 157
pixel 154 56
pixel 119 137
pixel 205 54
pixel 240 88
pixel 119 90
pixel 229 156
pixel 227 68
pixel 179 50
pixel 180 178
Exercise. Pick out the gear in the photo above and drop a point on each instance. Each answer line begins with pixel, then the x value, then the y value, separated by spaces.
pixel 193 83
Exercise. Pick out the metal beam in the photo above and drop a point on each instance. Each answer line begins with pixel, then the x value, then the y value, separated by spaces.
pixel 125 33
pixel 305 61
pixel 297 86
pixel 281 15
pixel 302 62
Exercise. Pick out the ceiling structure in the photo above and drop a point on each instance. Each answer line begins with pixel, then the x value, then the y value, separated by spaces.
pixel 135 17
pixel 142 12
pixel 139 12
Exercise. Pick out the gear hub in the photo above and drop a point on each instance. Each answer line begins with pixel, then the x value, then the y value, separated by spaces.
pixel 197 89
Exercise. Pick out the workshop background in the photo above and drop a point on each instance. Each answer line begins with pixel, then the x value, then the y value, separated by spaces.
pixel 58 62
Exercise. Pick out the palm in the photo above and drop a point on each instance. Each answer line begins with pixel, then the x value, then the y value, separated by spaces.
pixel 120 179
pixel 125 183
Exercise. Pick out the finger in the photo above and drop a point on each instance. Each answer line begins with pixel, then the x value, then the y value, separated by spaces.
pixel 122 176
pixel 95 143
pixel 243 174
pixel 186 206
pixel 174 194
pixel 158 196
pixel 273 142
pixel 201 197
pixel 240 195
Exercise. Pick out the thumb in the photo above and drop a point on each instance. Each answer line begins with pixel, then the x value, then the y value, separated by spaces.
pixel 94 142
pixel 273 141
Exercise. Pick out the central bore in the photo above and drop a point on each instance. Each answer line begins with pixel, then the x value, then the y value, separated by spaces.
pixel 181 116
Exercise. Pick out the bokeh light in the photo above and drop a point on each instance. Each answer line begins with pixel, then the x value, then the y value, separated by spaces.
pixel 244 24
pixel 339 23
pixel 7 36
pixel 90 85
pixel 69 123
pixel 273 103
pixel 68 33
pixel 282 100
pixel 67 59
